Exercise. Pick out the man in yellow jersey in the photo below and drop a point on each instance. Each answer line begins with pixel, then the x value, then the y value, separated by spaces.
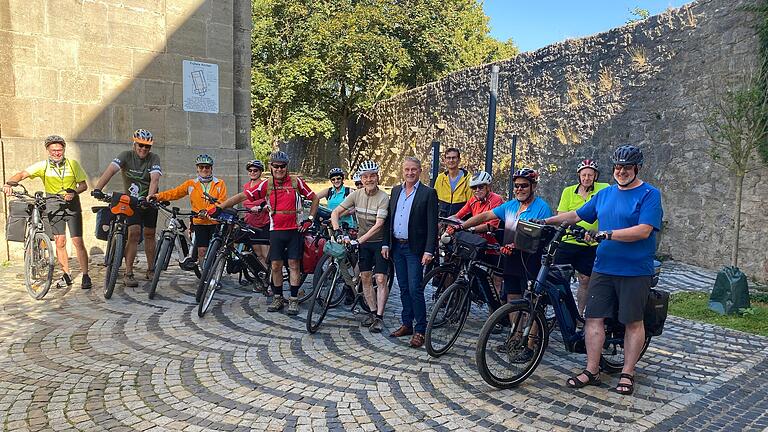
pixel 66 178
pixel 452 185
pixel 581 256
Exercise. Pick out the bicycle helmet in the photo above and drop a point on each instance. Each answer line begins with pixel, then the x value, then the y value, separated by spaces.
pixel 369 167
pixel 587 163
pixel 204 159
pixel 336 172
pixel 255 163
pixel 628 155
pixel 54 139
pixel 279 157
pixel 480 178
pixel 356 177
pixel 143 136
pixel 528 174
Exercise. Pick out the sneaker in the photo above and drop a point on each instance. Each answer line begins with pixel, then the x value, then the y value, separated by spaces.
pixel 65 281
pixel 277 304
pixel 497 329
pixel 130 281
pixel 368 320
pixel 521 357
pixel 377 325
pixel 293 306
pixel 86 282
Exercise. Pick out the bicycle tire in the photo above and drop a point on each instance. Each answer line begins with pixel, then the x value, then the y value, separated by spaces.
pixel 320 303
pixel 212 281
pixel 162 258
pixel 615 362
pixel 510 350
pixel 454 303
pixel 436 281
pixel 113 269
pixel 210 257
pixel 39 263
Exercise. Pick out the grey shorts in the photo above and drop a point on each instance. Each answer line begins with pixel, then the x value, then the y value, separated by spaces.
pixel 625 294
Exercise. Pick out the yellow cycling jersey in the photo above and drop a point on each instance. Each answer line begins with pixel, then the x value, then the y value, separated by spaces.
pixel 570 200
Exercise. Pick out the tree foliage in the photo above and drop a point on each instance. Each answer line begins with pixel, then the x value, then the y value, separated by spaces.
pixel 317 64
pixel 638 14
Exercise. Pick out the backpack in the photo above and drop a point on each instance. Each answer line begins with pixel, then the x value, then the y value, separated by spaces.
pixel 347 191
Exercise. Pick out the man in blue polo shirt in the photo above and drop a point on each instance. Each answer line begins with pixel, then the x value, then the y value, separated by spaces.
pixel 630 214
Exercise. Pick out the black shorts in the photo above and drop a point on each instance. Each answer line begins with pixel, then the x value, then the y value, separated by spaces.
pixel 627 294
pixel 495 262
pixel 261 236
pixel 146 217
pixel 60 216
pixel 582 258
pixel 285 244
pixel 203 234
pixel 371 258
pixel 513 285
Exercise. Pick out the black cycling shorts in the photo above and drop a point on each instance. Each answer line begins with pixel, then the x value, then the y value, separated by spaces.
pixel 371 258
pixel 203 234
pixel 60 215
pixel 146 217
pixel 627 294
pixel 285 244
pixel 582 258
pixel 513 285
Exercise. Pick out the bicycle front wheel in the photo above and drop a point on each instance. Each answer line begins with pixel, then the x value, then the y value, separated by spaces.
pixel 321 297
pixel 509 357
pixel 38 264
pixel 212 281
pixel 117 248
pixel 447 319
pixel 210 256
pixel 162 259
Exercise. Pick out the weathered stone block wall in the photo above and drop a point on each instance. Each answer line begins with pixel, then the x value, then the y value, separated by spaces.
pixel 94 71
pixel 643 84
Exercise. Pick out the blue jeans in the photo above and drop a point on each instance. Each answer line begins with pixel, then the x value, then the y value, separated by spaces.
pixel 410 273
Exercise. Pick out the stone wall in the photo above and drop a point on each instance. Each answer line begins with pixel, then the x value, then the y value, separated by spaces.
pixel 644 84
pixel 94 71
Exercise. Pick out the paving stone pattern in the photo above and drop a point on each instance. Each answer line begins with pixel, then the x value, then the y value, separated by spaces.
pixel 74 361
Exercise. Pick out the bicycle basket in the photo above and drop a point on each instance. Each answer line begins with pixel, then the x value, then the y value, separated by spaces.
pixel 532 238
pixel 335 250
pixel 19 212
pixel 469 246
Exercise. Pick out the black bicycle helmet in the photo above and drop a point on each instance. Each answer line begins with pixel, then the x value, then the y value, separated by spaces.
pixel 255 163
pixel 627 155
pixel 526 173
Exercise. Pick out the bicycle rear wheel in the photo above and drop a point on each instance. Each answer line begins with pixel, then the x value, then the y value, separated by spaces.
pixel 447 319
pixel 321 297
pixel 117 248
pixel 162 258
pixel 212 281
pixel 506 359
pixel 210 256
pixel 38 264
pixel 436 281
pixel 612 357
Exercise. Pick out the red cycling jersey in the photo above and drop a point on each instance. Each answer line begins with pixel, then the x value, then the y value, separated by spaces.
pixel 261 219
pixel 474 207
pixel 284 201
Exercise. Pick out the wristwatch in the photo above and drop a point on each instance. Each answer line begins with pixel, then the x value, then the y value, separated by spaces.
pixel 471 229
pixel 310 217
pixel 608 234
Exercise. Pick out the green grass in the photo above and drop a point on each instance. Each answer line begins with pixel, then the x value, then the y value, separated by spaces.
pixel 695 306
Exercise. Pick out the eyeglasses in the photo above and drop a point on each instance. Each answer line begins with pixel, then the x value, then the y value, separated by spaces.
pixel 477 187
pixel 202 167
pixel 358 184
pixel 279 166
pixel 522 185
pixel 335 179
pixel 624 167
pixel 254 170
pixel 144 146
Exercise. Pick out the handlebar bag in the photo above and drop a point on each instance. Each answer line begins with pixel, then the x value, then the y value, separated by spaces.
pixel 656 309
pixel 335 250
pixel 469 246
pixel 19 212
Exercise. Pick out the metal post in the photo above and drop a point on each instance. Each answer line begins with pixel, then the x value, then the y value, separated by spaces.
pixel 512 167
pixel 491 119
pixel 435 162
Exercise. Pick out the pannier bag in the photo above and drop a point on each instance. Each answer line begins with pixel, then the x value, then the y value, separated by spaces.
pixel 656 309
pixel 312 252
pixel 731 291
pixel 19 212
pixel 103 218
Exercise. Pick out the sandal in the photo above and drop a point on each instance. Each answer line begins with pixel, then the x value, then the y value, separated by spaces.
pixel 625 389
pixel 575 382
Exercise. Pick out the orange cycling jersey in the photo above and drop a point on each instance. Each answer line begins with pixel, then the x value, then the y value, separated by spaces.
pixel 474 207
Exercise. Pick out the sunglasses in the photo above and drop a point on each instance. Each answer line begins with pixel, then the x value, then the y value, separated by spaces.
pixel 144 146
pixel 477 187
pixel 254 170
pixel 334 179
pixel 204 166
pixel 358 184
pixel 279 166
pixel 624 167
pixel 522 185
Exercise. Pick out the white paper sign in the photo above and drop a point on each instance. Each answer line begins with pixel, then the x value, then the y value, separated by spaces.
pixel 201 87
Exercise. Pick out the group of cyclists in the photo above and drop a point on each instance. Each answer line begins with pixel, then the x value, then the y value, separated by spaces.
pixel 275 212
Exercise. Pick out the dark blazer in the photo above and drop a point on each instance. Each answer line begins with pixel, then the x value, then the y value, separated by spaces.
pixel 422 223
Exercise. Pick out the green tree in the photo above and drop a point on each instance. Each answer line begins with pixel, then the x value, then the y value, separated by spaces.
pixel 638 14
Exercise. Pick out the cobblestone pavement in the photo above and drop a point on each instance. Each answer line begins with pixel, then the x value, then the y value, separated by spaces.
pixel 76 361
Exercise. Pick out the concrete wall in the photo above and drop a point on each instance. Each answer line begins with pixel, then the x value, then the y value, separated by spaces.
pixel 94 71
pixel 643 84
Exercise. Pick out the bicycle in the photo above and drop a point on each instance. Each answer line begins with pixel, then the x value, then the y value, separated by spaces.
pixel 172 237
pixel 509 360
pixel 122 207
pixel 473 284
pixel 39 260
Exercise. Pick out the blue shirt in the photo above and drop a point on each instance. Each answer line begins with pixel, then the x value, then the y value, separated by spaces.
pixel 455 182
pixel 507 213
pixel 619 209
pixel 403 213
pixel 334 199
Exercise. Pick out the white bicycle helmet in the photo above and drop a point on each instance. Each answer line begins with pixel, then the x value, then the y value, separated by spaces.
pixel 356 177
pixel 480 178
pixel 369 167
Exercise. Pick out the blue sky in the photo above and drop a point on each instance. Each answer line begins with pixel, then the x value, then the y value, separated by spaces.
pixel 535 24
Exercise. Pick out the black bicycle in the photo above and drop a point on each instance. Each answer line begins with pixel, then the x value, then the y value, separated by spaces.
pixel 506 359
pixel 173 236
pixel 122 206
